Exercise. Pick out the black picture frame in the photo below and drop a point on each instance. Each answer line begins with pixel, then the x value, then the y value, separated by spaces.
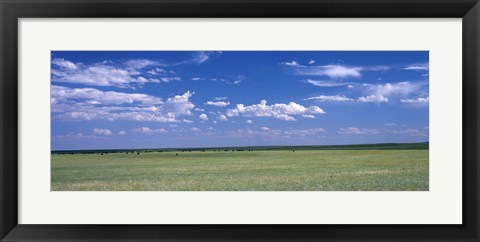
pixel 12 10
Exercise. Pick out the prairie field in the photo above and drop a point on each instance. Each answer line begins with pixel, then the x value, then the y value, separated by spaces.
pixel 276 169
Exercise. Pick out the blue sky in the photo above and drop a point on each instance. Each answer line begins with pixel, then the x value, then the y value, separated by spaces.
pixel 167 99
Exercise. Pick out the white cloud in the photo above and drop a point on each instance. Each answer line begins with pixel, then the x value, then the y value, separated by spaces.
pixel 304 132
pixel 222 117
pixel 102 131
pixel 380 68
pixel 418 67
pixel 319 83
pixel 199 109
pixel 401 88
pixel 98 97
pixel 311 62
pixel 195 129
pixel 357 131
pixel 197 78
pixel 380 93
pixel 147 130
pixel 278 110
pixel 64 63
pixel 77 137
pixel 141 63
pixel 373 99
pixel 165 79
pixel 187 121
pixel 103 73
pixel 75 104
pixel 332 71
pixel 338 71
pixel 203 117
pixel 335 98
pixel 199 57
pixel 220 98
pixel 308 116
pixel 412 132
pixel 248 121
pixel 157 71
pixel 292 63
pixel 180 104
pixel 229 79
pixel 202 56
pixel 218 103
pixel 122 132
pixel 417 100
pixel 269 133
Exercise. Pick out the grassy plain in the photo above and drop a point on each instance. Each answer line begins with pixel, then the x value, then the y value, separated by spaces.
pixel 372 168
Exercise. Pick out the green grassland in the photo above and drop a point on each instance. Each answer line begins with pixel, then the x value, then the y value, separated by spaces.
pixel 382 167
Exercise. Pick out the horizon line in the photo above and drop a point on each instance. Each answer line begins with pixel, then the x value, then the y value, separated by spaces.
pixel 244 146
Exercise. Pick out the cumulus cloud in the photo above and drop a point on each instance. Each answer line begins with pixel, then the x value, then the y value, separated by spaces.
pixel 278 110
pixel 380 93
pixel 64 63
pixel 98 97
pixel 76 104
pixel 308 116
pixel 147 130
pixel 218 103
pixel 249 121
pixel 334 98
pixel 104 73
pixel 122 132
pixel 222 117
pixel 401 88
pixel 203 117
pixel 102 131
pixel 373 99
pixel 311 62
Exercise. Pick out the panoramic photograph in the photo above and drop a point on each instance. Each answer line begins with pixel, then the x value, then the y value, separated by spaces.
pixel 239 120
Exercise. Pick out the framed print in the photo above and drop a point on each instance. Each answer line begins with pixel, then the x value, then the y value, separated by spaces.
pixel 233 120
